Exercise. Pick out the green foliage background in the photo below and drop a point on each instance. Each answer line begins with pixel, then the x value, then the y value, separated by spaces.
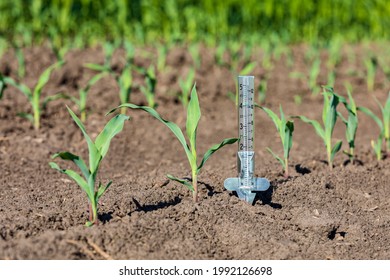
pixel 145 21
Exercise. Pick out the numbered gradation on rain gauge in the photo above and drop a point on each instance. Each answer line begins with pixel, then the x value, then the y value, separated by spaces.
pixel 245 113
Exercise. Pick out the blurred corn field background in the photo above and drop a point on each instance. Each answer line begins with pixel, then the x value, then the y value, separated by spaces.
pixel 86 22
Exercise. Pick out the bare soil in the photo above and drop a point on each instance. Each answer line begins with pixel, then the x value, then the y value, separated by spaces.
pixel 314 214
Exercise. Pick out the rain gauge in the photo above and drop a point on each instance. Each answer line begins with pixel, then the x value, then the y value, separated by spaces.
pixel 246 184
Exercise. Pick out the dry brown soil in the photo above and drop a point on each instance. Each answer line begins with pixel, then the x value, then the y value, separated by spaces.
pixel 314 214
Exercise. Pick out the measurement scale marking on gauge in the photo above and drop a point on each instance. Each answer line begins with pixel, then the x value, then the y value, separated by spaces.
pixel 246 183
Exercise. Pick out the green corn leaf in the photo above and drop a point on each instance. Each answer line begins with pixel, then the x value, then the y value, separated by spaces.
pixel 94 154
pixel 172 126
pixel 26 116
pixel 272 115
pixel 76 159
pixel 76 177
pixel 335 149
pixel 193 117
pixel 94 80
pixel 112 128
pixel 288 138
pixel 102 189
pixel 97 67
pixel 213 149
pixel 181 181
pixel 45 76
pixel 2 85
pixel 369 113
pixel 23 88
pixel 248 69
pixel 386 119
pixel 319 130
pixel 54 97
pixel 344 120
pixel 277 157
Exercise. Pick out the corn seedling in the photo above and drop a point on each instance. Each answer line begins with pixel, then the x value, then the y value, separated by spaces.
pixel 220 53
pixel 285 129
pixel 124 80
pixel 130 52
pixel 351 124
pixel 331 78
pixel 2 85
pixel 162 53
pixel 109 49
pixel 149 90
pixel 193 117
pixel 195 54
pixel 384 126
pixel 371 64
pixel 313 76
pixel 81 102
pixel 329 117
pixel 21 61
pixel 185 86
pixel 97 151
pixel 34 95
pixel 262 91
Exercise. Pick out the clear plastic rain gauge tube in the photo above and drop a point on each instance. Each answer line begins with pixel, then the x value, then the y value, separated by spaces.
pixel 246 183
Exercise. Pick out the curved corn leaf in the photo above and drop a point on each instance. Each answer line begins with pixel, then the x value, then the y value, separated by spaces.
pixel 94 80
pixel 172 126
pixel 112 128
pixel 213 149
pixel 277 157
pixel 54 97
pixel 193 117
pixel 369 113
pixel 102 189
pixel 272 115
pixel 23 88
pixel 26 116
pixel 76 159
pixel 248 69
pixel 335 149
pixel 181 181
pixel 45 76
pixel 319 130
pixel 76 177
pixel 94 155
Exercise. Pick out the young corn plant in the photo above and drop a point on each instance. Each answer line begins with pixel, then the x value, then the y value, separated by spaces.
pixel 285 129
pixel 371 64
pixel 34 95
pixel 312 77
pixel 384 126
pixel 329 117
pixel 195 55
pixel 351 124
pixel 162 53
pixel 2 85
pixel 123 79
pixel 185 86
pixel 149 90
pixel 193 117
pixel 81 102
pixel 97 151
